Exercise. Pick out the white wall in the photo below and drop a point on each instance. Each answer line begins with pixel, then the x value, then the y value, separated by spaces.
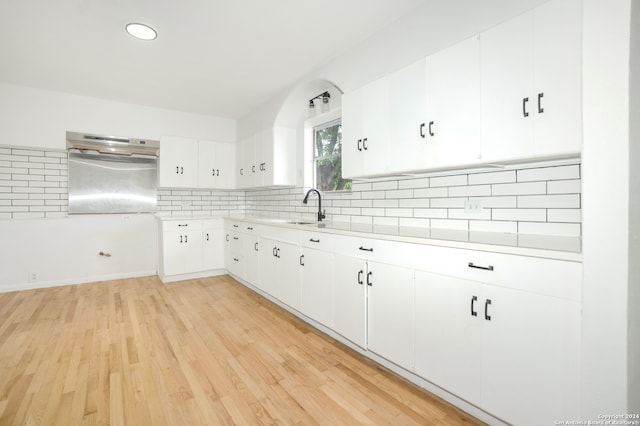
pixel 40 118
pixel 634 214
pixel 605 207
pixel 64 250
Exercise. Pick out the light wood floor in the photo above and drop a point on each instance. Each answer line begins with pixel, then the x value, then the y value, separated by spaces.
pixel 208 351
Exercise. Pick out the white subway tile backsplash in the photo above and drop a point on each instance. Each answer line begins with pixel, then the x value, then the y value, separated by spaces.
pixel 456 180
pixel 519 188
pixel 549 201
pixel 527 196
pixel 573 186
pixel 530 215
pixel 470 191
pixel 558 229
pixel 549 173
pixel 492 177
pixel 493 226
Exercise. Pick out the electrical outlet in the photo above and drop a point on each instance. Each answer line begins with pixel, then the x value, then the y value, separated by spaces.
pixel 33 277
pixel 473 206
pixel 125 218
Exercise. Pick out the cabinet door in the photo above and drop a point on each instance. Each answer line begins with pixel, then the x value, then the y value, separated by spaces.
pixel 531 357
pixel 207 160
pixel 236 260
pixel 182 252
pixel 349 298
pixel 246 163
pixel 557 77
pixel 448 335
pixel 288 274
pixel 316 275
pixel 213 248
pixel 251 255
pixel 178 163
pixel 365 130
pixel 268 266
pixel 506 66
pixel 408 137
pixel 390 327
pixel 452 131
pixel 225 165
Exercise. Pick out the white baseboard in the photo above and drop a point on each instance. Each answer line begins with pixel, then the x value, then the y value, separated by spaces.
pixel 73 281
pixel 192 276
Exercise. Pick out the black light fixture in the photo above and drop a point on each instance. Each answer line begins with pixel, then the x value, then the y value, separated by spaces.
pixel 325 103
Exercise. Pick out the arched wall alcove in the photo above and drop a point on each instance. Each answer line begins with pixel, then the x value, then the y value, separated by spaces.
pixel 294 114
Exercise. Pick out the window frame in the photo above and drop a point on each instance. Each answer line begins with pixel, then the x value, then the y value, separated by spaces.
pixel 317 127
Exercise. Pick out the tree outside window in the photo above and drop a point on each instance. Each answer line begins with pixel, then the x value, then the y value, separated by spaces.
pixel 327 157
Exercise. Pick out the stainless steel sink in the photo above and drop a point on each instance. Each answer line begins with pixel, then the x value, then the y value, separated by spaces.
pixel 298 222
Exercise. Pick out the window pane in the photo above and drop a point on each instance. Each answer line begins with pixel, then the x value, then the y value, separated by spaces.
pixel 328 158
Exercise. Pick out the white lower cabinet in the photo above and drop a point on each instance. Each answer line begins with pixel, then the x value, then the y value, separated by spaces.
pixel 251 258
pixel 280 271
pixel 316 279
pixel 513 353
pixel 212 245
pixel 350 298
pixel 390 313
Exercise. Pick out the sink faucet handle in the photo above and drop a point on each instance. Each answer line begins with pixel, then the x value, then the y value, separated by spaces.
pixel 323 214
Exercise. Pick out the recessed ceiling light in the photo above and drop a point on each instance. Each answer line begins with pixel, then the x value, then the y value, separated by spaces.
pixel 141 31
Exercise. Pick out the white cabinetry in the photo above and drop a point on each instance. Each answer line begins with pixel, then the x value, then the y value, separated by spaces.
pixel 316 277
pixel 190 246
pixel 178 162
pixel 212 244
pixel 267 158
pixel 189 163
pixel 531 70
pixel 251 253
pixel 487 324
pixel 364 128
pixel 216 165
pixel 350 298
pixel 280 265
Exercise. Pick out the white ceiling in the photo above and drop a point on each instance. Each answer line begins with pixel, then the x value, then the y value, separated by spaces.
pixel 216 57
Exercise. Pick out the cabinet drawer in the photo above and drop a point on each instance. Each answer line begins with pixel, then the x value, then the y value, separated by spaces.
pixel 317 240
pixel 389 252
pixel 557 278
pixel 212 223
pixel 234 224
pixel 181 225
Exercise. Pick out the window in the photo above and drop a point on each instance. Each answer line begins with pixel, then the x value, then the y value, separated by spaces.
pixel 327 157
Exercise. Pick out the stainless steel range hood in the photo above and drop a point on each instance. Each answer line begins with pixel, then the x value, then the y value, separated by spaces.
pixel 112 144
pixel 111 174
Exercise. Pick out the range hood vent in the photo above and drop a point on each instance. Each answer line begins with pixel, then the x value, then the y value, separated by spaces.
pixel 112 144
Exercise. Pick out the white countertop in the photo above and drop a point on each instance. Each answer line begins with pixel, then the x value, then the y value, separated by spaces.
pixel 552 247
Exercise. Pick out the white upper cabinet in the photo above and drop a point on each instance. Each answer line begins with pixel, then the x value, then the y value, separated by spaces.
pixel 408 148
pixel 267 158
pixel 452 128
pixel 190 163
pixel 215 164
pixel 178 162
pixel 364 130
pixel 531 84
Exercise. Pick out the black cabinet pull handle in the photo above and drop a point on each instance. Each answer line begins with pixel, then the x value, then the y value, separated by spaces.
pixel 217 172
pixel 314 240
pixel 177 170
pixel 253 168
pixel 185 238
pixel 180 225
pixel 263 167
pixel 360 272
pixel 235 226
pixel 274 251
pixel 486 309
pixel 227 237
pixel 422 135
pixel 365 249
pixel 473 308
pixel 255 246
pixel 359 142
pixel 278 253
pixel 235 238
pixel 250 228
pixel 241 172
pixel 540 109
pixel 207 236
pixel 213 172
pixel 369 283
pixel 180 239
pixel 524 107
pixel 235 259
pixel 430 129
pixel 302 260
pixel 485 268
pixel 364 144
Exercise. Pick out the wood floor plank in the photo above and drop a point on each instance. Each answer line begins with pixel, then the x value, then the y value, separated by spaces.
pixel 205 351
